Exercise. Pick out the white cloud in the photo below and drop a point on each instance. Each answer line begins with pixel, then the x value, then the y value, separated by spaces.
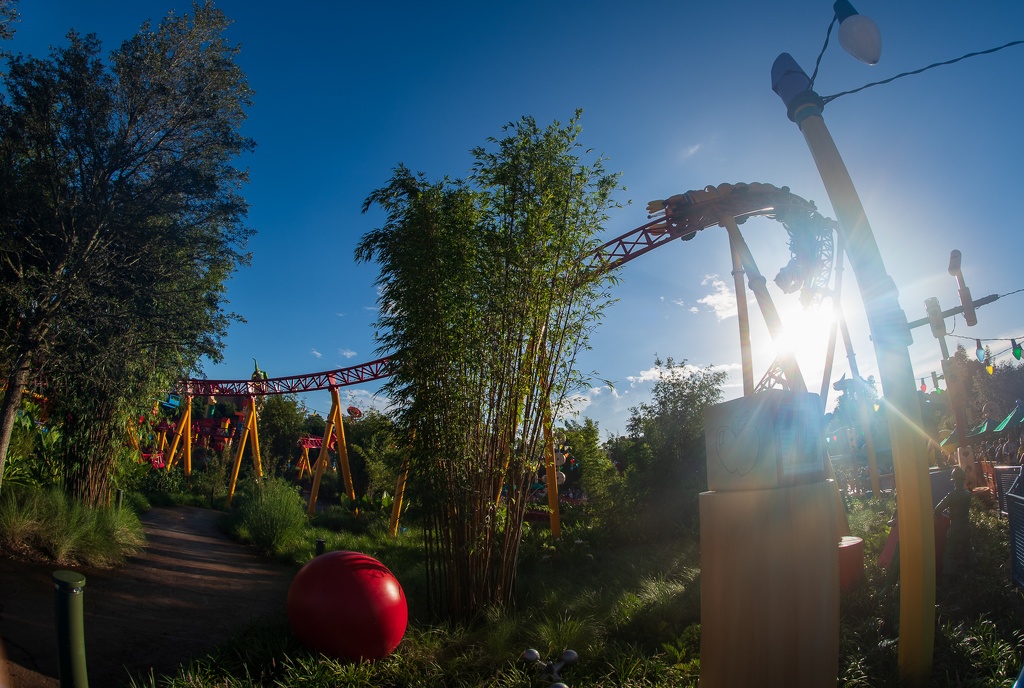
pixel 721 301
pixel 655 373
pixel 575 405
pixel 316 353
pixel 679 302
pixel 616 394
pixel 690 151
pixel 347 353
pixel 363 400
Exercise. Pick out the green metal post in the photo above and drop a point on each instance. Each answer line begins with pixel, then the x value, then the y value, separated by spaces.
pixel 68 587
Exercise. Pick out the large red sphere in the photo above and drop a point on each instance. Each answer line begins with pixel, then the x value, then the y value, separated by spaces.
pixel 347 605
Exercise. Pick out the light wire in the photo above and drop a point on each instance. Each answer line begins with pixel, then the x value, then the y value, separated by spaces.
pixel 829 99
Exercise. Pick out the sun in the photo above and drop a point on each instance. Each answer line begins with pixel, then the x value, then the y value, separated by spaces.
pixel 805 332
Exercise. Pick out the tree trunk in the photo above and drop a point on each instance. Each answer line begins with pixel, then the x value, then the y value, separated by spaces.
pixel 12 401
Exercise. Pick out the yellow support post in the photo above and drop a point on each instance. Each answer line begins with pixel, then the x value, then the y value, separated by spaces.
pixel 756 281
pixel 237 465
pixel 133 438
pixel 249 431
pixel 746 353
pixel 188 443
pixel 184 425
pixel 396 507
pixel 321 460
pixel 551 472
pixel 342 449
pixel 254 439
pixel 304 463
pixel 335 425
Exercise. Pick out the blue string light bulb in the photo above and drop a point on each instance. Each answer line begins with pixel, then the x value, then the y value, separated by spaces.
pixel 980 351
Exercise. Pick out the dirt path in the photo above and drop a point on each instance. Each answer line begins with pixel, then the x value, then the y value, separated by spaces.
pixel 192 589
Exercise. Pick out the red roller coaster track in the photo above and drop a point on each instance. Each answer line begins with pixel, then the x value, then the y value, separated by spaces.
pixel 679 217
pixel 309 382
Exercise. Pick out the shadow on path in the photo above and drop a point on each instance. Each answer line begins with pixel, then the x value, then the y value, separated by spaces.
pixel 190 590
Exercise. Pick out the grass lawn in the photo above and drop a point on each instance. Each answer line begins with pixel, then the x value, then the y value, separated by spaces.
pixel 632 612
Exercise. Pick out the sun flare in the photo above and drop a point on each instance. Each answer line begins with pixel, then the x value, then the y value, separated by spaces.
pixel 804 331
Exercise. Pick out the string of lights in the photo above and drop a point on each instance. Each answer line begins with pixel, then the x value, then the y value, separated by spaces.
pixel 984 356
pixel 828 99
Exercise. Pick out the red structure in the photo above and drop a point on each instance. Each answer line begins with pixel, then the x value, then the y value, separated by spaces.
pixel 308 382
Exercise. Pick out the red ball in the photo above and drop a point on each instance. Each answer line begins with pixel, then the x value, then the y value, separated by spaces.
pixel 347 605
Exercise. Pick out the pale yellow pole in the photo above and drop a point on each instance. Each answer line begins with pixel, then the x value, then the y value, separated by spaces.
pixel 757 281
pixel 254 439
pixel 746 355
pixel 551 472
pixel 184 425
pixel 324 457
pixel 891 337
pixel 396 506
pixel 188 444
pixel 403 477
pixel 237 466
pixel 342 449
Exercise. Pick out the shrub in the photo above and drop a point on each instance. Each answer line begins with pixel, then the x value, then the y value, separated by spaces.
pixel 269 514
pixel 117 534
pixel 52 526
pixel 19 517
pixel 158 482
pixel 67 530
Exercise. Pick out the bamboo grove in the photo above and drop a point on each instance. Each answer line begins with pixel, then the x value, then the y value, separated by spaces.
pixel 484 305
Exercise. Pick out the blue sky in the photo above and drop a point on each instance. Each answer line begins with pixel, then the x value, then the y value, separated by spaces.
pixel 676 95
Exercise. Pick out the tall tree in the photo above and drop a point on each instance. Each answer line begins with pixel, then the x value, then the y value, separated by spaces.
pixel 120 220
pixel 375 453
pixel 8 15
pixel 485 301
pixel 280 427
pixel 967 371
pixel 671 427
pixel 1003 388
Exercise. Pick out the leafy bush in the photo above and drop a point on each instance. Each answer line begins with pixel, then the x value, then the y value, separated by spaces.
pixel 157 482
pixel 31 456
pixel 128 473
pixel 269 514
